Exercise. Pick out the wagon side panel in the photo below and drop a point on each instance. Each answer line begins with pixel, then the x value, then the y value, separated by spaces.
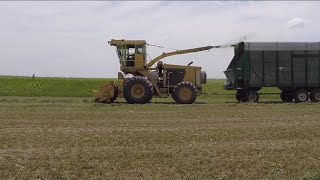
pixel 299 69
pixel 256 69
pixel 284 69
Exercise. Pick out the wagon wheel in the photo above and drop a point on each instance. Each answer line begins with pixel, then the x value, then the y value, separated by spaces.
pixel 301 96
pixel 240 96
pixel 315 95
pixel 286 96
pixel 251 96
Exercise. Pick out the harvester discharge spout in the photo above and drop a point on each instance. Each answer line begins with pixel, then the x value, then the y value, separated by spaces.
pixel 185 51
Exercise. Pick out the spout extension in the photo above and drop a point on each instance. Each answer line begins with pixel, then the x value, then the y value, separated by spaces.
pixel 185 51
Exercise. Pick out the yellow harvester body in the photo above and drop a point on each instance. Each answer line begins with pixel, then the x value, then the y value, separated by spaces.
pixel 183 83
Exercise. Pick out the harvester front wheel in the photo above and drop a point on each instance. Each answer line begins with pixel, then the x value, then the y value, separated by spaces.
pixel 184 93
pixel 138 90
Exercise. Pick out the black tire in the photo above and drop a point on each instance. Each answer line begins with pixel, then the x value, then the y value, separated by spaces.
pixel 286 96
pixel 315 95
pixel 138 90
pixel 301 96
pixel 252 96
pixel 240 96
pixel 174 97
pixel 184 93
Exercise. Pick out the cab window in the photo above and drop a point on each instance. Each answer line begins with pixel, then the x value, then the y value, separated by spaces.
pixel 139 49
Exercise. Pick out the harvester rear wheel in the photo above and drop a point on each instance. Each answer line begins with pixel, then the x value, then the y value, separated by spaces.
pixel 138 90
pixel 184 93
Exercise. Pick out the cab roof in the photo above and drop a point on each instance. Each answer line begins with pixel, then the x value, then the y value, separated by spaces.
pixel 115 42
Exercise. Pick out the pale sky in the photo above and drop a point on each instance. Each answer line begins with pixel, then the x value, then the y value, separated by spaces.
pixel 69 38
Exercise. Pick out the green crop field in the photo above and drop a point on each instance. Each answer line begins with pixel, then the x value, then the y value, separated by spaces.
pixel 51 129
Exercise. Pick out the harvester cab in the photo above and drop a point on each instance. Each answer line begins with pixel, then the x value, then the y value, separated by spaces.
pixel 182 82
pixel 131 54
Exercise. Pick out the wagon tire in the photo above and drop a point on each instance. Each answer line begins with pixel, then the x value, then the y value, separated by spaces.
pixel 240 96
pixel 286 96
pixel 315 95
pixel 301 96
pixel 252 96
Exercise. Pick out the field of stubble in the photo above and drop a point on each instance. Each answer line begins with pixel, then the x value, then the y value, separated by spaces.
pixel 215 138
